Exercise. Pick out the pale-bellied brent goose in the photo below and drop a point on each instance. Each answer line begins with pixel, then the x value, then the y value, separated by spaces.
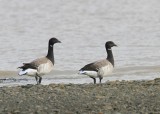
pixel 100 68
pixel 40 66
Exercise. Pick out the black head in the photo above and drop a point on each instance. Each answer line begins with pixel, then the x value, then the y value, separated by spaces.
pixel 52 41
pixel 110 44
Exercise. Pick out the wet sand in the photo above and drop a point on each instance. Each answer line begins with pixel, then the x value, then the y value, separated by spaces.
pixel 120 97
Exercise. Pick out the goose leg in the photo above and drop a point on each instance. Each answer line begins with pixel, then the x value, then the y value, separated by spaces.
pixel 94 79
pixel 100 79
pixel 40 79
pixel 36 77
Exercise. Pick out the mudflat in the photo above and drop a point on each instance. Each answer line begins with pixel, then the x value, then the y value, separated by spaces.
pixel 112 97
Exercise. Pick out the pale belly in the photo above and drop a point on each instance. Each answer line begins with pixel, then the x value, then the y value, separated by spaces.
pixel 44 69
pixel 104 71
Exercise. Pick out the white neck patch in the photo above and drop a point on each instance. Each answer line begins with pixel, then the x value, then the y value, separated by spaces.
pixel 110 49
pixel 51 45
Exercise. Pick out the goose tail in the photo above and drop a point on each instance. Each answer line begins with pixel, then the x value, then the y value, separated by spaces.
pixel 22 72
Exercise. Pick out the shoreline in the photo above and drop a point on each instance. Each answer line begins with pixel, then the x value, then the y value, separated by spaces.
pixel 110 97
pixel 20 81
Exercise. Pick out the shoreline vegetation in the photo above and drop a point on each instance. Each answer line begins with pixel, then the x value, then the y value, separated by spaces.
pixel 111 97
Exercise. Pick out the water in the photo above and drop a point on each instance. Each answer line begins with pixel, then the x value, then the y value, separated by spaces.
pixel 83 27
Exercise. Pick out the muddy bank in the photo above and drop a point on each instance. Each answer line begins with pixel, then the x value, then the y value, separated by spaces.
pixel 110 97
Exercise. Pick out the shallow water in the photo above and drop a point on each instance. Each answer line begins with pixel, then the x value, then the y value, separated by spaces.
pixel 83 27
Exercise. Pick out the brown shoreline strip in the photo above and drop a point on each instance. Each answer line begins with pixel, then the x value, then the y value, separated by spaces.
pixel 110 97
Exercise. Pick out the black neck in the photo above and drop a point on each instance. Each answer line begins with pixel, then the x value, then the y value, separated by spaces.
pixel 50 54
pixel 110 57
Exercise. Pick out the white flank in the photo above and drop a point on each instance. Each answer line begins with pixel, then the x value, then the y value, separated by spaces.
pixel 89 73
pixel 29 72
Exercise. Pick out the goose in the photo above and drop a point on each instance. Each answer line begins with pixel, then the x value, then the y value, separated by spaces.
pixel 40 66
pixel 102 67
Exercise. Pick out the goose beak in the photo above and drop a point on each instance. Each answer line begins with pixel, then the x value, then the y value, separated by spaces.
pixel 59 41
pixel 115 45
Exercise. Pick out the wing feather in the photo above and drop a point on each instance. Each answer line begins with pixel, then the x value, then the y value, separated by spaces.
pixel 34 64
pixel 95 65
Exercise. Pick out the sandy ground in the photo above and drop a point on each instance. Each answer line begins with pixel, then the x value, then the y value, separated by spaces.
pixel 112 97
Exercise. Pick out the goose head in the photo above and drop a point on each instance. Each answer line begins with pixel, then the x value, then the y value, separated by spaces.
pixel 52 41
pixel 110 44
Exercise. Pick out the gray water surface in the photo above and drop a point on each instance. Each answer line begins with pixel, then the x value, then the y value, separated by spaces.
pixel 83 26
